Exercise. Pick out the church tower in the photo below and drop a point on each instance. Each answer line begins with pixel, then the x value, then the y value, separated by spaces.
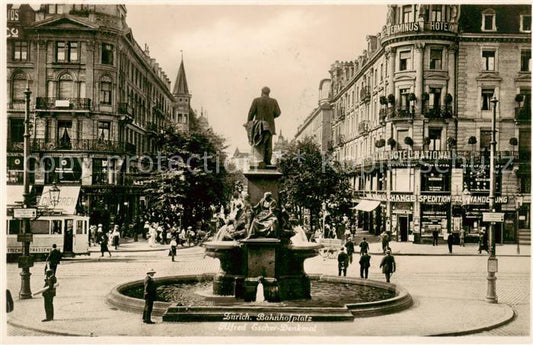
pixel 183 98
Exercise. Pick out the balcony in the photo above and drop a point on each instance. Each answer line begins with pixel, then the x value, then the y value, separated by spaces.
pixel 130 148
pixel 438 112
pixel 126 109
pixel 383 115
pixel 77 145
pixel 363 127
pixel 398 114
pixel 522 114
pixel 364 94
pixel 340 141
pixel 56 104
pixel 340 114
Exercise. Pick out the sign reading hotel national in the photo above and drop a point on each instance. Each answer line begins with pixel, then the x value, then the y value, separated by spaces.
pixel 415 27
pixel 423 155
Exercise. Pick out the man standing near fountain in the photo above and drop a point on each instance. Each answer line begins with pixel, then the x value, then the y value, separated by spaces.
pixel 149 296
pixel 260 127
pixel 388 265
pixel 342 258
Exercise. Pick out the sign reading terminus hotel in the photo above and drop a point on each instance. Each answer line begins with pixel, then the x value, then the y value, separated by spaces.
pixel 420 27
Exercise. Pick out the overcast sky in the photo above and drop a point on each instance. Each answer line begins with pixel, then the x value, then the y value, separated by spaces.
pixel 232 51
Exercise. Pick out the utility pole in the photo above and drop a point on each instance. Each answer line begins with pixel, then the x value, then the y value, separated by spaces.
pixel 492 264
pixel 26 261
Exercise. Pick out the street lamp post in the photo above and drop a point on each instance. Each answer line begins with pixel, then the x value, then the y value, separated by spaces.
pixel 492 264
pixel 26 261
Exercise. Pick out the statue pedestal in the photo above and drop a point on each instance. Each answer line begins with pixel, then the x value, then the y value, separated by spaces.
pixel 261 181
pixel 261 254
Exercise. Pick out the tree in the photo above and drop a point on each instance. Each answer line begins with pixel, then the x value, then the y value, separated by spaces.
pixel 190 176
pixel 311 179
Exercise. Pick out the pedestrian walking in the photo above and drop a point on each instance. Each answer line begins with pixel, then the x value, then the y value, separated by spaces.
pixel 364 246
pixel 149 296
pixel 173 247
pixel 342 259
pixel 462 238
pixel 116 237
pixel 364 263
pixel 349 248
pixel 164 236
pixel 54 258
pixel 435 237
pixel 92 235
pixel 388 265
pixel 103 245
pixel 10 305
pixel 450 242
pixel 99 234
pixel 384 241
pixel 49 294
pixel 482 242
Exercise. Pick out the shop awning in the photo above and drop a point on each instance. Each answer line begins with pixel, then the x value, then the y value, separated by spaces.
pixel 367 205
pixel 68 198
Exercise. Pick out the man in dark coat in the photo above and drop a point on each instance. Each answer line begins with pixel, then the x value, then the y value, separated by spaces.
pixel 260 126
pixel 50 282
pixel 364 246
pixel 149 296
pixel 364 262
pixel 54 258
pixel 349 248
pixel 435 237
pixel 342 258
pixel 450 242
pixel 388 265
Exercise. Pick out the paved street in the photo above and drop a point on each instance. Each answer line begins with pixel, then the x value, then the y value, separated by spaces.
pixel 433 281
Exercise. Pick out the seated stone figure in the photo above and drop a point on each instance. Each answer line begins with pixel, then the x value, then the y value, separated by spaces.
pixel 229 232
pixel 265 222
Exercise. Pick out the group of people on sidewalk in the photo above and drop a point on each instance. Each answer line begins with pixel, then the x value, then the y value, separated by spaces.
pixel 345 258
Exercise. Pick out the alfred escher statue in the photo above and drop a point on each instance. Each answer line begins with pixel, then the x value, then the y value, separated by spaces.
pixel 260 127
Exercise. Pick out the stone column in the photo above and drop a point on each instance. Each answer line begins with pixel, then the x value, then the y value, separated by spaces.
pixel 419 82
pixel 451 70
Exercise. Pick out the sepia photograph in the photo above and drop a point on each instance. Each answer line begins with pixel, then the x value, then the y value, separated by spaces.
pixel 266 172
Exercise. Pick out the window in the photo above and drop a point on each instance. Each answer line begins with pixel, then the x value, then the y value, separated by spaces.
pixel 16 130
pixel 103 130
pixel 63 134
pixel 100 171
pixel 67 51
pixel 107 54
pixel 435 138
pixel 105 91
pixel 435 59
pixel 401 134
pixel 484 139
pixel 407 12
pixel 486 95
pixel 405 61
pixel 489 21
pixel 525 60
pixel 404 99
pixel 488 58
pixel 20 51
pixel 19 86
pixel 436 13
pixel 66 87
pixel 525 23
pixel 434 97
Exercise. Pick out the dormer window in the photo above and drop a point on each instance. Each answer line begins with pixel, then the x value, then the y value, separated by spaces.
pixel 489 20
pixel 525 23
pixel 407 14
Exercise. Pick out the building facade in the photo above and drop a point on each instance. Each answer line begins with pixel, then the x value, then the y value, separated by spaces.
pixel 317 124
pixel 412 119
pixel 97 100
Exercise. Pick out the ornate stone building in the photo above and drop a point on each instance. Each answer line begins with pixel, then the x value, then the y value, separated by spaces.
pixel 412 118
pixel 97 100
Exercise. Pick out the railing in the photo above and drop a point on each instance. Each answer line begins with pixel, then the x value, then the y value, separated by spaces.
pixel 417 27
pixel 438 112
pixel 77 145
pixel 52 103
pixel 399 113
pixel 340 141
pixel 14 146
pixel 383 115
pixel 522 114
pixel 363 127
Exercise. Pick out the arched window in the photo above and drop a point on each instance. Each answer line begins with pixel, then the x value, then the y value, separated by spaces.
pixel 66 87
pixel 19 86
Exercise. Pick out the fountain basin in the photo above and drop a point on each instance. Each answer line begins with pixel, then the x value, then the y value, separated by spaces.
pixel 228 308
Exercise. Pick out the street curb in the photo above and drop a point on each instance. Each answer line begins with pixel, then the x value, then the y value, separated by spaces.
pixel 35 329
pixel 480 329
